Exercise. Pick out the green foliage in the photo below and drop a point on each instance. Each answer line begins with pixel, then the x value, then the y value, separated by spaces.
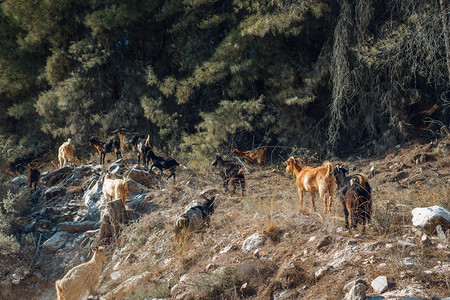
pixel 164 68
pixel 15 247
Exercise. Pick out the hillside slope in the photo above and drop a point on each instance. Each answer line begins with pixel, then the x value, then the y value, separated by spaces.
pixel 295 254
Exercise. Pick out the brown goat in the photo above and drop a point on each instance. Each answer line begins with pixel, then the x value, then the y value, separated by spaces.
pixel 312 180
pixel 252 156
pixel 82 280
pixel 358 202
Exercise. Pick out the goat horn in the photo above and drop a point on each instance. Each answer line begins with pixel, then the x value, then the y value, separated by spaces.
pixel 298 156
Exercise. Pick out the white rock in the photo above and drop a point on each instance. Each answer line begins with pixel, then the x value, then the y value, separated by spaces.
pixel 428 217
pixel 115 275
pixel 358 292
pixel 409 262
pixel 380 284
pixel 20 180
pixel 253 242
pixel 410 292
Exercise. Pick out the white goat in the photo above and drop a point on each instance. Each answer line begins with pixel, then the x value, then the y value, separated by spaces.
pixel 115 188
pixel 65 153
pixel 82 280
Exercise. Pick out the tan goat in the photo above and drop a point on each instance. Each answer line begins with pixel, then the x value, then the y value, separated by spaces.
pixel 82 280
pixel 312 180
pixel 65 153
pixel 115 188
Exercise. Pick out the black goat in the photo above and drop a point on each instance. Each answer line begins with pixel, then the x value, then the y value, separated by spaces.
pixel 358 202
pixel 140 145
pixel 103 148
pixel 162 163
pixel 34 176
pixel 194 218
pixel 230 171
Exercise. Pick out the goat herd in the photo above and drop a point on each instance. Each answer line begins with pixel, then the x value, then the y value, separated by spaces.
pixel 354 192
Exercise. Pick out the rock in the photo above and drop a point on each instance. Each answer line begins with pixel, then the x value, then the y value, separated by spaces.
pixel 409 262
pixel 323 242
pixel 358 292
pixel 57 241
pixel 352 242
pixel 425 240
pixel 207 193
pixel 114 168
pixel 319 273
pixel 129 286
pixel 115 276
pixel 427 218
pixel 374 246
pixel 351 284
pixel 410 292
pixel 380 284
pixel 135 187
pixel 78 226
pixel 253 242
pixel 54 191
pixel 141 204
pixel 54 177
pixel 441 233
pixel 406 244
pixel 94 193
pixel 142 177
pixel 21 180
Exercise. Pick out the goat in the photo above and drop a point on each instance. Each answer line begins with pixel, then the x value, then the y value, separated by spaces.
pixel 230 171
pixel 115 188
pixel 194 218
pixel 162 163
pixel 82 280
pixel 123 135
pixel 252 156
pixel 65 153
pixel 141 146
pixel 34 177
pixel 343 183
pixel 358 202
pixel 312 180
pixel 103 148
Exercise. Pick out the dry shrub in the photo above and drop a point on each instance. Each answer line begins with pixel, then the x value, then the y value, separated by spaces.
pixel 289 276
pixel 220 284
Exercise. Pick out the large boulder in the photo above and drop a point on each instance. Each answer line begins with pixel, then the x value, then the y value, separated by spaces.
pixel 253 242
pixel 427 218
pixel 94 193
pixel 54 191
pixel 54 177
pixel 21 180
pixel 55 242
pixel 140 175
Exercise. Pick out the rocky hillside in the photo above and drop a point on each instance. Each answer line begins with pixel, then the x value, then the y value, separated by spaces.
pixel 259 246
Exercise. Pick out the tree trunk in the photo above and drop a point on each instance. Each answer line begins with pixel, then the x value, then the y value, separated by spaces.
pixel 444 8
pixel 112 222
